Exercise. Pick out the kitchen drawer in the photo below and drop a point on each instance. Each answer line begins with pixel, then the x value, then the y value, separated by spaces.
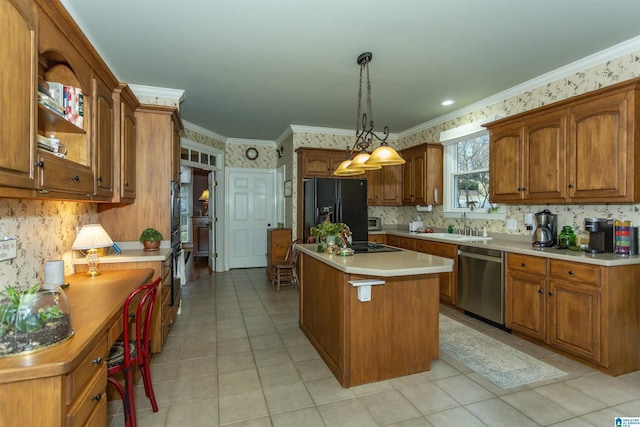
pixel 61 175
pixel 89 400
pixel 436 248
pixel 576 272
pixel 94 361
pixel 407 243
pixel 114 332
pixel 529 264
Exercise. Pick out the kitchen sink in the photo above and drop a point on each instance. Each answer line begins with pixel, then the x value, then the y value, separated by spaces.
pixel 454 237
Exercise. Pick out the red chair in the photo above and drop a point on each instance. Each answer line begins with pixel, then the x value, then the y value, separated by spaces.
pixel 123 358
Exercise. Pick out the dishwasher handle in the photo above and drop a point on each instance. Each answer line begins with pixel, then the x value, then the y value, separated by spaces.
pixel 480 256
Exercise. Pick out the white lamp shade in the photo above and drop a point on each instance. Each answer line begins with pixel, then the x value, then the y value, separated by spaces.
pixel 92 236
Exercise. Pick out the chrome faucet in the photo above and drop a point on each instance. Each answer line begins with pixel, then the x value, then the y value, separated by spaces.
pixel 464 223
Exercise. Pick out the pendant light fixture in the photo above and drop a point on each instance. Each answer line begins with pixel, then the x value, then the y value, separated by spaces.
pixel 384 155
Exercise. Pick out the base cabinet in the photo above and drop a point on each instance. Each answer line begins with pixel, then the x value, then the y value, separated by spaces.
pixel 449 280
pixel 584 310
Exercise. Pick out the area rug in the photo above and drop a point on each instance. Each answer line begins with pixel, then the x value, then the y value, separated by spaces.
pixel 504 366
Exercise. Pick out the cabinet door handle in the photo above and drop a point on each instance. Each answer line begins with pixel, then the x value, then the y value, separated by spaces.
pixel 570 273
pixel 519 189
pixel 524 264
pixel 97 397
pixel 99 179
pixel 39 164
pixel 570 185
pixel 126 184
pixel 524 188
pixel 550 293
pixel 75 178
pixel 97 361
pixel 540 291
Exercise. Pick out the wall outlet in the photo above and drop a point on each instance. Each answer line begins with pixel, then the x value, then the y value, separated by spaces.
pixel 528 219
pixel 512 224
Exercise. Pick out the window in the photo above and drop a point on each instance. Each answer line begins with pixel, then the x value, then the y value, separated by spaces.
pixel 471 173
pixel 466 186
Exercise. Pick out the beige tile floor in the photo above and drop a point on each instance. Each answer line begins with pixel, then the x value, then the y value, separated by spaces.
pixel 236 357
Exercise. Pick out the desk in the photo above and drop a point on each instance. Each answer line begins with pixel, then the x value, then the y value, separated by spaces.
pixel 66 384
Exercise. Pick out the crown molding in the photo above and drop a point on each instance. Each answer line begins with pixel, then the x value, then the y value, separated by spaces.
pixel 598 58
pixel 263 142
pixel 158 92
pixel 331 131
pixel 206 132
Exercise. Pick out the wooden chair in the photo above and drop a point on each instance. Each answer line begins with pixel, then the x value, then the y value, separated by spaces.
pixel 132 351
pixel 285 273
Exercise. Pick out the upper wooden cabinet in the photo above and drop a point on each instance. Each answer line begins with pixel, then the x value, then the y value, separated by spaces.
pixel 384 186
pixel 103 130
pixel 319 162
pixel 527 161
pixel 125 105
pixel 42 49
pixel 18 59
pixel 581 150
pixel 422 175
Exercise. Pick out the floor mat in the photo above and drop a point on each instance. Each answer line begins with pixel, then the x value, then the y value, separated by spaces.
pixel 504 366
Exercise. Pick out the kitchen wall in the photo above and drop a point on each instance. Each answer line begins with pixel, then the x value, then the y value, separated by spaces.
pixel 45 231
pixel 606 74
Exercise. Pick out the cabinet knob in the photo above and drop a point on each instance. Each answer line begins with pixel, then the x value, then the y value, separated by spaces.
pixel 519 189
pixel 97 361
pixel 39 164
pixel 570 185
pixel 524 264
pixel 540 291
pixel 126 184
pixel 97 397
pixel 570 273
pixel 99 179
pixel 524 188
pixel 550 293
pixel 75 178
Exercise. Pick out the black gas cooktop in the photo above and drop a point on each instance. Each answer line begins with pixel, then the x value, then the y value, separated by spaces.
pixel 370 247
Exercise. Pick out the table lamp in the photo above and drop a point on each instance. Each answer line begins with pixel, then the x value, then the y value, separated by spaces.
pixel 204 197
pixel 90 238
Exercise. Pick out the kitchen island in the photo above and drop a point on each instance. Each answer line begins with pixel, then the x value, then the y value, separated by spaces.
pixel 371 316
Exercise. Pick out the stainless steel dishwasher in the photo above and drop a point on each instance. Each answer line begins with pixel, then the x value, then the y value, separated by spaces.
pixel 480 282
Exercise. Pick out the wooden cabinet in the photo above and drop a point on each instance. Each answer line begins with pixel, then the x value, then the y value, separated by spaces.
pixel 585 310
pixel 319 162
pixel 200 227
pixel 422 175
pixel 575 151
pixel 384 186
pixel 448 280
pixel 278 241
pixel 18 53
pixel 378 238
pixel 527 160
pixel 125 103
pixel 102 122
pixel 155 133
pixel 408 243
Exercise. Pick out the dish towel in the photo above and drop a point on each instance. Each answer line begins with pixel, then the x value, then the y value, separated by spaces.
pixel 180 269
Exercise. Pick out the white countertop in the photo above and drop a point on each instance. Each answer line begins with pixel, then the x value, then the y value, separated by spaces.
pixel 522 245
pixel 382 264
pixel 131 252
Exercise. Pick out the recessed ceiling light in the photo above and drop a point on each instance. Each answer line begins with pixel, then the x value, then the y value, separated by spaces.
pixel 447 102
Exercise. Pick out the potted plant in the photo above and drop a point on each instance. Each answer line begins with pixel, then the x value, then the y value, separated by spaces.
pixel 330 234
pixel 151 239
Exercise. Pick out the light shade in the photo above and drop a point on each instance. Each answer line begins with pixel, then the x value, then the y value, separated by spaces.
pixel 90 237
pixel 343 169
pixel 359 162
pixel 385 156
pixel 205 195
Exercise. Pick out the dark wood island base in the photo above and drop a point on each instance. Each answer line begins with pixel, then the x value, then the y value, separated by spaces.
pixel 392 335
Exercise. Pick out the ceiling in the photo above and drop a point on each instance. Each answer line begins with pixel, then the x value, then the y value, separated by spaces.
pixel 250 68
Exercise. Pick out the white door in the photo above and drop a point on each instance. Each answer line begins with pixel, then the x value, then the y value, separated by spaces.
pixel 251 210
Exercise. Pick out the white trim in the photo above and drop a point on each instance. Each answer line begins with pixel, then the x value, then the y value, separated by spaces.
pixel 206 132
pixel 598 58
pixel 160 92
pixel 467 131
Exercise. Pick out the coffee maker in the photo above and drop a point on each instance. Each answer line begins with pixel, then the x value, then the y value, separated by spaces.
pixel 600 234
pixel 546 232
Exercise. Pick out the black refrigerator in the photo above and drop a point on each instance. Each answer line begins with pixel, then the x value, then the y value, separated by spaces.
pixel 344 200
